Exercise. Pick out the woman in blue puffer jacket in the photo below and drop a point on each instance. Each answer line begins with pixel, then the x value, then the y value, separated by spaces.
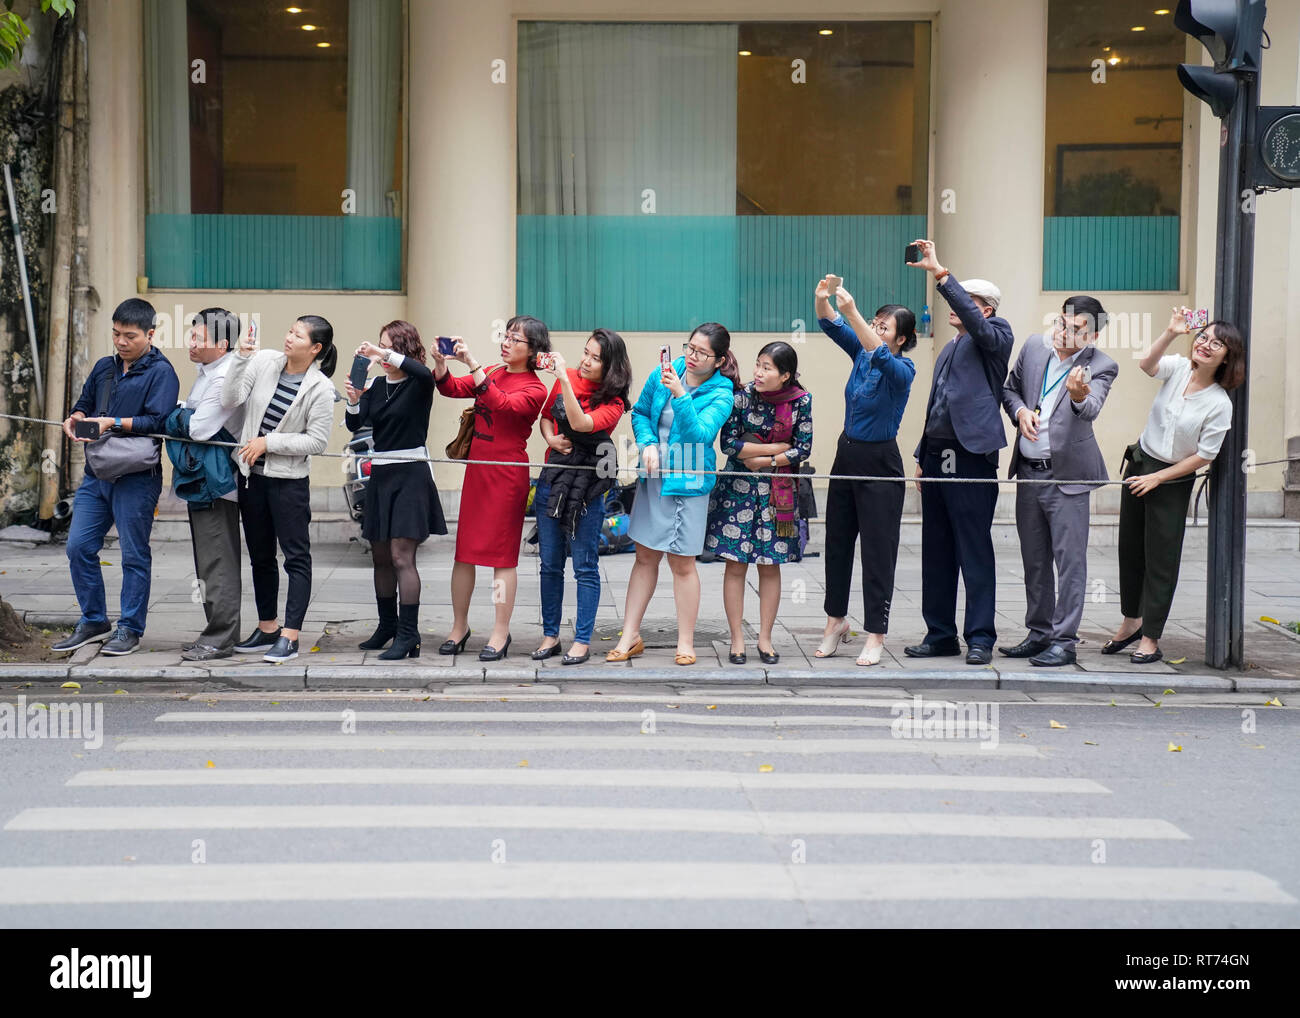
pixel 676 420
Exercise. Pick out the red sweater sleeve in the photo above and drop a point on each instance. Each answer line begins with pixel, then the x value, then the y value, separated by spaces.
pixel 525 401
pixel 606 416
pixel 457 386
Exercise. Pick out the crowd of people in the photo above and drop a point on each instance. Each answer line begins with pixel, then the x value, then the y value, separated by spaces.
pixel 273 410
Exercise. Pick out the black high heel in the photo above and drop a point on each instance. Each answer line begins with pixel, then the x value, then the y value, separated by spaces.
pixel 554 650
pixel 488 654
pixel 454 647
pixel 407 641
pixel 387 625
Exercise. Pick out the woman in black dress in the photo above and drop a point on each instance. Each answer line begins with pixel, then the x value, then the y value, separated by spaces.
pixel 402 506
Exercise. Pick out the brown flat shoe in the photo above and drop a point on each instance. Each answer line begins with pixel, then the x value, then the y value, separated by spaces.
pixel 633 651
pixel 685 659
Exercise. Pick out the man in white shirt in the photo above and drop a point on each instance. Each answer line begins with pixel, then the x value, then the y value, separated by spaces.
pixel 214 526
pixel 1053 394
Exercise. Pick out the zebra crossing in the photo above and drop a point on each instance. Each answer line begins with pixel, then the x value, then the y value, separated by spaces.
pixel 568 798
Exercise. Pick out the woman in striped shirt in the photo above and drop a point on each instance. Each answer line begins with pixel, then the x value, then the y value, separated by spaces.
pixel 288 414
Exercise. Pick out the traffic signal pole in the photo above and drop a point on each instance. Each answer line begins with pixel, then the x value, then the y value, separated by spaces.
pixel 1233 288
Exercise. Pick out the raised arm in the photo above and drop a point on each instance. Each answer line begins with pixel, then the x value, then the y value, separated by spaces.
pixel 1177 327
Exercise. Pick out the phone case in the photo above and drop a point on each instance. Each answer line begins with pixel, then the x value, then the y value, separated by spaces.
pixel 1199 318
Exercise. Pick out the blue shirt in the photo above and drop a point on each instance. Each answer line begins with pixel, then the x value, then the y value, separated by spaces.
pixel 875 395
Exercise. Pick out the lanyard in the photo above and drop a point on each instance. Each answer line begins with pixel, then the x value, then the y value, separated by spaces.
pixel 1048 389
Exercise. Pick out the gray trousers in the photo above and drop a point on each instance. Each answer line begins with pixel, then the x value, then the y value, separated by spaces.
pixel 1053 530
pixel 215 535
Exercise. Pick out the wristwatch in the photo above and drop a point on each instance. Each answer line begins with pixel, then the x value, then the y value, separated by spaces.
pixel 117 424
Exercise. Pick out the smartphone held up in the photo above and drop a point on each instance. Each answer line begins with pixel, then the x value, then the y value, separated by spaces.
pixel 1197 319
pixel 447 346
pixel 357 376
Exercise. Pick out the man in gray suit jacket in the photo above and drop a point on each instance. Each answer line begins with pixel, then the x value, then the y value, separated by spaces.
pixel 1053 394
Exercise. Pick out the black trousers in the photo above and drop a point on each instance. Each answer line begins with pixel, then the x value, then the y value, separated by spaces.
pixel 215 535
pixel 957 536
pixel 1151 530
pixel 869 512
pixel 278 509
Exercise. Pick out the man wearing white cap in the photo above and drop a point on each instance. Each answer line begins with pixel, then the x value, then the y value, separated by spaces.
pixel 962 436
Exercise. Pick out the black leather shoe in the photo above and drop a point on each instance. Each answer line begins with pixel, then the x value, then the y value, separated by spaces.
pixel 489 654
pixel 737 659
pixel 258 642
pixel 455 646
pixel 1053 657
pixel 979 655
pixel 933 650
pixel 570 659
pixel 1146 659
pixel 1027 647
pixel 205 652
pixel 1115 646
pixel 86 632
pixel 768 657
pixel 285 649
pixel 123 642
pixel 554 650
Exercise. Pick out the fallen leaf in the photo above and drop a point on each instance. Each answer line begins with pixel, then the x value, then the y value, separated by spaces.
pixel 314 650
pixel 1275 702
pixel 1056 724
pixel 765 768
pixel 1021 735
pixel 607 638
pixel 103 563
pixel 1267 618
pixel 209 764
pixel 1113 703
pixel 1175 749
pixel 275 703
pixel 1256 747
pixel 119 691
pixel 1169 692
pixel 712 706
pixel 38 706
pixel 673 706
pixel 1087 743
pixel 523 763
pixel 128 858
pixel 1157 703
pixel 1176 661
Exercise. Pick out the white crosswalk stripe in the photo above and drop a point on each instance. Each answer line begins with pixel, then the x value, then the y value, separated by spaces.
pixel 713 776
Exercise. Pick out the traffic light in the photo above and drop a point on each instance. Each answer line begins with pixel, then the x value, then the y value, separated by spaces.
pixel 1277 152
pixel 1232 30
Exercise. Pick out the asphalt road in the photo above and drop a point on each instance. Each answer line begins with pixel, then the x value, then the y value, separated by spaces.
pixel 740 809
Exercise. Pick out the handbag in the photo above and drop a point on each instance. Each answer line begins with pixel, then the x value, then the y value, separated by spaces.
pixel 113 456
pixel 458 447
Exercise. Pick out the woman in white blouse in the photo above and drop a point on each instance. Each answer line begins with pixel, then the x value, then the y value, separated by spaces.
pixel 1185 430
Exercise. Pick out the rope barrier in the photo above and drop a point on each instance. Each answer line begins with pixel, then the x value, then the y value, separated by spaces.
pixel 660 473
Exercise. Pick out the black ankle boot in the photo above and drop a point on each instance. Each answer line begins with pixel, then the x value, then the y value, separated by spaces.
pixel 407 641
pixel 387 624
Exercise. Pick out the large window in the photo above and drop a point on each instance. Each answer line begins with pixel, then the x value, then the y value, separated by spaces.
pixel 674 174
pixel 1114 166
pixel 274 144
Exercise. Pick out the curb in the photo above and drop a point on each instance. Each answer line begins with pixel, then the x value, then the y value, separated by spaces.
pixel 273 678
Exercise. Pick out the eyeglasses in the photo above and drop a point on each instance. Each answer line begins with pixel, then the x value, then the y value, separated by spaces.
pixel 1071 330
pixel 696 352
pixel 1211 343
pixel 516 337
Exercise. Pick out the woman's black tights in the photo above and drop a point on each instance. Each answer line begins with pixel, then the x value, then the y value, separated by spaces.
pixel 395 572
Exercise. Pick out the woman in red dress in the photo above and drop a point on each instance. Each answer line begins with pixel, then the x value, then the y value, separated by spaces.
pixel 492 499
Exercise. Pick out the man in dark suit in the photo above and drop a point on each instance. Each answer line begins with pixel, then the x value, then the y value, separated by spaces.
pixel 963 433
pixel 1054 393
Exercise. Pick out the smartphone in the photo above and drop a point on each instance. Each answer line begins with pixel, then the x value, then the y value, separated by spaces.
pixel 86 429
pixel 446 346
pixel 833 283
pixel 360 367
pixel 665 357
pixel 913 254
pixel 546 361
pixel 1198 319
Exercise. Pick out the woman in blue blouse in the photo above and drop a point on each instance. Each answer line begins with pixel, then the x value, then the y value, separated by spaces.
pixel 871 511
pixel 756 519
pixel 676 420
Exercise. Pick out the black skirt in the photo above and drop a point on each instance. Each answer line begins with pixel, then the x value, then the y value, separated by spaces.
pixel 402 501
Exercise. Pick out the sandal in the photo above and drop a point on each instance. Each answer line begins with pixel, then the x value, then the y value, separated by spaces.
pixel 842 636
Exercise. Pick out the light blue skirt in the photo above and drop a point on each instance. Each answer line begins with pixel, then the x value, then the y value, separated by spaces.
pixel 671 523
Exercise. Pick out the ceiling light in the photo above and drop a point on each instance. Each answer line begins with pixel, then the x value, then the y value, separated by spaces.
pixel 825 31
pixel 1105 49
pixel 1138 28
pixel 293 10
pixel 1113 61
pixel 322 45
pixel 1163 10
pixel 309 28
pixel 746 53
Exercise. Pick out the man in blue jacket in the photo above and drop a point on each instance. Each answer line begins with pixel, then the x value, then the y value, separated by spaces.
pixel 962 436
pixel 128 393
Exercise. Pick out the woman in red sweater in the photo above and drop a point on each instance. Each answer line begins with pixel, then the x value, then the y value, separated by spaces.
pixel 584 407
pixel 492 499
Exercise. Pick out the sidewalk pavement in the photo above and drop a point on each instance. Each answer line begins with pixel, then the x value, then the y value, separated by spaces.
pixel 35 581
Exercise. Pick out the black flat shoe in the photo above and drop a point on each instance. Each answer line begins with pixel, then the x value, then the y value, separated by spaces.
pixel 979 655
pixel 489 654
pixel 1115 646
pixel 1146 659
pixel 737 659
pixel 569 659
pixel 1053 657
pixel 768 657
pixel 1025 648
pixel 454 647
pixel 552 651
pixel 933 650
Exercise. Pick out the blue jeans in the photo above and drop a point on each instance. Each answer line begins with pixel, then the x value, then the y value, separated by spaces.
pixel 129 503
pixel 585 550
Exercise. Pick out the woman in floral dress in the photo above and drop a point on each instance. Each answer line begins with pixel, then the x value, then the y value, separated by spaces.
pixel 756 519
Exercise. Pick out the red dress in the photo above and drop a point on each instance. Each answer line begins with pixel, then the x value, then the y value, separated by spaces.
pixel 493 499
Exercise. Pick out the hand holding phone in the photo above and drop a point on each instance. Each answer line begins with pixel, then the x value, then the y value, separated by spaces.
pixel 545 361
pixel 665 357
pixel 447 345
pixel 88 430
pixel 913 254
pixel 248 345
pixel 833 283
pixel 1198 319
pixel 357 376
